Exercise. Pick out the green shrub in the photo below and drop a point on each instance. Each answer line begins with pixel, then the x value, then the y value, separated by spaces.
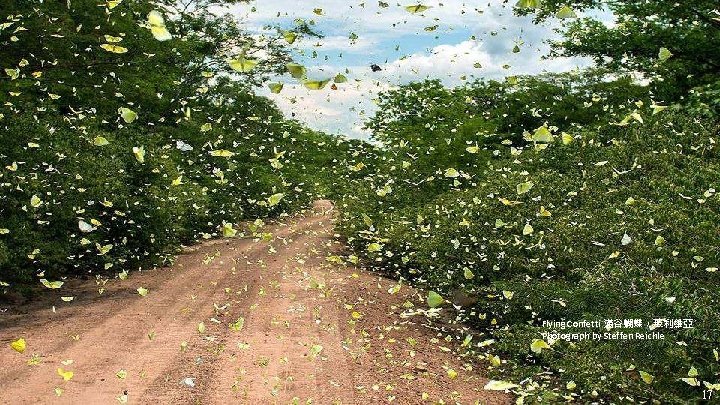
pixel 139 212
pixel 654 183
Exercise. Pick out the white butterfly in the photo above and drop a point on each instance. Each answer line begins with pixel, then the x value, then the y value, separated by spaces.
pixel 85 227
pixel 183 146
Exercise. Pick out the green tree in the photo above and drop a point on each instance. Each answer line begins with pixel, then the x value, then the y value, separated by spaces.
pixel 78 57
pixel 126 131
pixel 569 101
pixel 673 43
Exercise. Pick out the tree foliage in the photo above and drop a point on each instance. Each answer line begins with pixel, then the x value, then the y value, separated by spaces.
pixel 674 44
pixel 127 132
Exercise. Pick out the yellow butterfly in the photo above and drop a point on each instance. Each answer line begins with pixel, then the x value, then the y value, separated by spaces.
pixel 664 54
pixel 18 345
pixel 139 152
pixel 157 26
pixel 543 135
pixel 114 48
pixel 419 8
pixel 242 65
pixel 66 375
pixel 221 153
pixel 127 114
pixel 51 284
pixel 275 199
pixel 538 345
pixel 296 70
pixel 523 188
pixel 316 84
pixel 565 13
pixel 112 39
pixel 275 87
pixel 528 4
pixel 289 36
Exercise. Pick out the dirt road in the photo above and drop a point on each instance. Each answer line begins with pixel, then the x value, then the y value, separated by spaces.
pixel 238 321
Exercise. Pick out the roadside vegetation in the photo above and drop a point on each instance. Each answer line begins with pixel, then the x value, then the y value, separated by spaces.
pixel 588 195
pixel 121 142
pixel 585 195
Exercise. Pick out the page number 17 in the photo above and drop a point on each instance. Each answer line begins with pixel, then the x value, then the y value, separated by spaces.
pixel 707 394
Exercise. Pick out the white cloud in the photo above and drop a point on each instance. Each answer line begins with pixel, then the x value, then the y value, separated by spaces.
pixel 373 18
pixel 344 110
pixel 492 24
pixel 340 111
pixel 451 62
pixel 338 43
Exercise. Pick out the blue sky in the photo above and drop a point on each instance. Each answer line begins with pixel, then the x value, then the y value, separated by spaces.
pixel 464 34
